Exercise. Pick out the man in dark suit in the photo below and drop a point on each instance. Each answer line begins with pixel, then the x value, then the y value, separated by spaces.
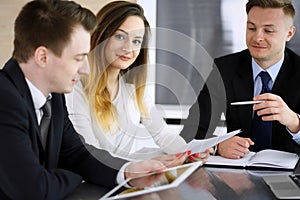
pixel 235 78
pixel 50 53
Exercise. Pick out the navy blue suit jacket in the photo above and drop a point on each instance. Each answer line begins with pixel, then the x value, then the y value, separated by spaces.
pixel 28 171
pixel 231 80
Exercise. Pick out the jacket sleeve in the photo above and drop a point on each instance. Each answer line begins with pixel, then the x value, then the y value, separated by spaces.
pixel 22 175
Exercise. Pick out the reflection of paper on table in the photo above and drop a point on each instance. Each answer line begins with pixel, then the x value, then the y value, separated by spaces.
pixel 201 145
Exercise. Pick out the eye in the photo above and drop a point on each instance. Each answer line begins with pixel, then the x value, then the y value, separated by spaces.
pixel 120 37
pixel 269 31
pixel 80 58
pixel 251 29
pixel 137 42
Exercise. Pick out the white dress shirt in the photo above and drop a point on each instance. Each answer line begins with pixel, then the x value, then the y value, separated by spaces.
pixel 131 123
pixel 38 99
pixel 273 72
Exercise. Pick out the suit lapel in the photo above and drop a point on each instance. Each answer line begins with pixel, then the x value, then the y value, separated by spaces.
pixel 18 78
pixel 282 79
pixel 16 75
pixel 243 91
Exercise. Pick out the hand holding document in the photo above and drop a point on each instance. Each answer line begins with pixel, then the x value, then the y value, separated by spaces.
pixel 197 146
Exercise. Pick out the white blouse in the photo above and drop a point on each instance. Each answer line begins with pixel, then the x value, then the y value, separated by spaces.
pixel 122 143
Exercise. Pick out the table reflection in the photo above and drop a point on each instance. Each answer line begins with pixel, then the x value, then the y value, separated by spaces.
pixel 228 183
pixel 207 183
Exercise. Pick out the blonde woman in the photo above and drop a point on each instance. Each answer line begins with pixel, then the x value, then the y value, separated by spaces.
pixel 108 106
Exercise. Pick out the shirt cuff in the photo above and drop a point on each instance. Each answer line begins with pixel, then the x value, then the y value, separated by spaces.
pixel 121 175
pixel 296 136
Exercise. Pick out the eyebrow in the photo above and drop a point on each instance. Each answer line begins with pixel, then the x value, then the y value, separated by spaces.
pixel 81 54
pixel 128 33
pixel 267 25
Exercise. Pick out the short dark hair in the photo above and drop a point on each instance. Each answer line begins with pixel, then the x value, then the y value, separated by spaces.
pixel 286 5
pixel 48 23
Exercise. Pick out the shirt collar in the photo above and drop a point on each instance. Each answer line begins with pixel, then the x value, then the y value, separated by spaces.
pixel 37 96
pixel 272 70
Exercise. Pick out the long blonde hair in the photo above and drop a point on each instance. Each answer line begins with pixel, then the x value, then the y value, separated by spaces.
pixel 109 19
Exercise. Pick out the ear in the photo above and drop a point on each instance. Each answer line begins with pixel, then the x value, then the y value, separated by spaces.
pixel 291 33
pixel 41 56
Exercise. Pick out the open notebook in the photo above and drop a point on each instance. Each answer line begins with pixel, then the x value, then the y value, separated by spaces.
pixel 172 178
pixel 267 158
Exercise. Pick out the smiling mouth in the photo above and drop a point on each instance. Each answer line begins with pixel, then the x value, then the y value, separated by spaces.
pixel 258 46
pixel 124 58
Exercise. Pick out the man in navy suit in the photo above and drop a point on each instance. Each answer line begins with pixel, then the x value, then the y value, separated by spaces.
pixel 50 53
pixel 235 78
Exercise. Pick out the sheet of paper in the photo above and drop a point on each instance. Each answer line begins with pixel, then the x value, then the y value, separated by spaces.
pixel 201 145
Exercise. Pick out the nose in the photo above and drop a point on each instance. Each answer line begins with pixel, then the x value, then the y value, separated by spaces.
pixel 127 46
pixel 258 36
pixel 85 68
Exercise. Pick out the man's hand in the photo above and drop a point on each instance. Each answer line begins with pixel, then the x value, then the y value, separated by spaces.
pixel 235 147
pixel 274 108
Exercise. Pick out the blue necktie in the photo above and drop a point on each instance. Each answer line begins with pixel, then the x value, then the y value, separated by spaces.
pixel 262 130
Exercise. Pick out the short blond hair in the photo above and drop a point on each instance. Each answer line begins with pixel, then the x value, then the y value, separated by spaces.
pixel 286 5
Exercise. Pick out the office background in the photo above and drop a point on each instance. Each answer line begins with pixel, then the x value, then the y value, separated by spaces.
pixel 218 26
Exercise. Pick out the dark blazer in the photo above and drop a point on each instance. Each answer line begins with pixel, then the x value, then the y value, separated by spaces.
pixel 232 80
pixel 28 171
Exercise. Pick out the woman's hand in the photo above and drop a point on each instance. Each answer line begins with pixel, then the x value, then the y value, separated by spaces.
pixel 173 160
pixel 200 156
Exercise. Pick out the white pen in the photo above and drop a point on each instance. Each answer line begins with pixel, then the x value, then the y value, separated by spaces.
pixel 246 102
